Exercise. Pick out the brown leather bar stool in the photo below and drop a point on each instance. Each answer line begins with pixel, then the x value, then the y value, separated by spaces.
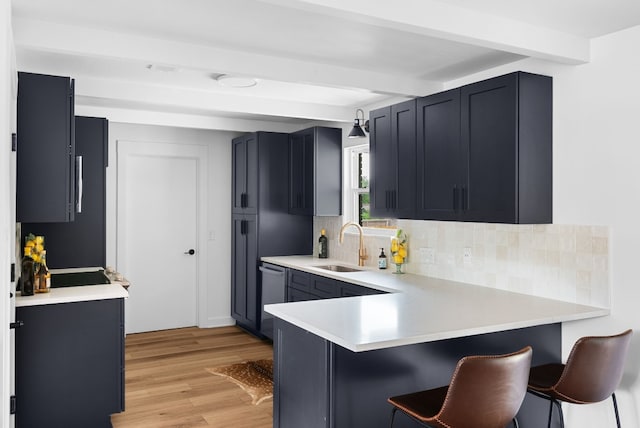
pixel 485 392
pixel 592 373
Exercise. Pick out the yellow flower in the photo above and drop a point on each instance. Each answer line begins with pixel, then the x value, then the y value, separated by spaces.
pixel 398 259
pixel 39 239
pixel 402 251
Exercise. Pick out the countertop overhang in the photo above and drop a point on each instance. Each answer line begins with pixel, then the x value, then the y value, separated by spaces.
pixel 417 309
pixel 82 293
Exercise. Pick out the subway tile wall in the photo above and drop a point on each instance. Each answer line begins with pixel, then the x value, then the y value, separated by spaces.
pixel 563 262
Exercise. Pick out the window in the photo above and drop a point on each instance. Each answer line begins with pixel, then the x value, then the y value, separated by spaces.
pixel 359 183
pixel 357 205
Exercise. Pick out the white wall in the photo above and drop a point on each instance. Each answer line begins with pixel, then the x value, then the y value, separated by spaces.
pixel 218 210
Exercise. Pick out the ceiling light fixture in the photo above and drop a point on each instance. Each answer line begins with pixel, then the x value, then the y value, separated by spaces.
pixel 356 131
pixel 236 81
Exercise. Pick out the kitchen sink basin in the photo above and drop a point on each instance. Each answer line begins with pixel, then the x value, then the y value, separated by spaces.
pixel 339 268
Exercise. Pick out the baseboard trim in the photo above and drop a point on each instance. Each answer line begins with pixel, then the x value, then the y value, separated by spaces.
pixel 218 322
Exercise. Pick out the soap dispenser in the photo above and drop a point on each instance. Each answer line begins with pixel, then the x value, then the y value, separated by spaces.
pixel 382 259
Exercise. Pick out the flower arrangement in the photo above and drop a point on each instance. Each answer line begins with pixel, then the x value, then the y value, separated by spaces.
pixel 36 243
pixel 399 247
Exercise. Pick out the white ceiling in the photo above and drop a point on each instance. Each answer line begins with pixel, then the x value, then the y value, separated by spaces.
pixel 313 59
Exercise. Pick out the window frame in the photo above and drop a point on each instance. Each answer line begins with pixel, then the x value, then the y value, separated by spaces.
pixel 352 192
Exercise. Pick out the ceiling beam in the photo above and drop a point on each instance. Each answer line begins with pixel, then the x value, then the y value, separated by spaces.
pixel 181 120
pixel 439 19
pixel 174 98
pixel 52 37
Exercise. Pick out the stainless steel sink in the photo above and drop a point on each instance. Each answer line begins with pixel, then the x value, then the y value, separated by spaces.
pixel 339 268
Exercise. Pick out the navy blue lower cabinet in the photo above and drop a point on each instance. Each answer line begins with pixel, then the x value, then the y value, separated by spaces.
pixel 70 364
pixel 307 286
pixel 320 384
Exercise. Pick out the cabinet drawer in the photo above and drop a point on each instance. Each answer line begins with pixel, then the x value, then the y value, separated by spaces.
pixel 350 290
pixel 295 295
pixel 325 287
pixel 299 280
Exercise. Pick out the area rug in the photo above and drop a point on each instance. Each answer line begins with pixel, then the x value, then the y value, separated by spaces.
pixel 254 377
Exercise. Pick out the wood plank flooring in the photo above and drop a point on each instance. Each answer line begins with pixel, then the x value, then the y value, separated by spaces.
pixel 167 385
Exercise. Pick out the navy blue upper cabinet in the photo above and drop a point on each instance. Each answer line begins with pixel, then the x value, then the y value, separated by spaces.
pixel 315 181
pixel 82 242
pixel 483 153
pixel 245 173
pixel 439 155
pixel 392 149
pixel 46 149
pixel 506 138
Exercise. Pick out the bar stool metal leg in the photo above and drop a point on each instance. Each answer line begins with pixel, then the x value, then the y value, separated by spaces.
pixel 615 407
pixel 393 414
pixel 560 411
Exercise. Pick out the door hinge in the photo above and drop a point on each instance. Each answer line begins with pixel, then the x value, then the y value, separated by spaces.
pixel 12 405
pixel 16 324
pixel 13 272
pixel 14 142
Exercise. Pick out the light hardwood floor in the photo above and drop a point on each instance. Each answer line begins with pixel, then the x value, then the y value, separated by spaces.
pixel 167 384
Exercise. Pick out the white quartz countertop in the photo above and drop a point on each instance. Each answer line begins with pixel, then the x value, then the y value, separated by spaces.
pixel 417 309
pixel 83 293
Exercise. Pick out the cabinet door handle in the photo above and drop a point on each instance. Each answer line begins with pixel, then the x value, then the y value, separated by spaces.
pixel 79 183
pixel 17 324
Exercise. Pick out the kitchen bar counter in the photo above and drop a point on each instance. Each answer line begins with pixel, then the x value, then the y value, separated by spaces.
pixel 336 361
pixel 83 293
pixel 417 309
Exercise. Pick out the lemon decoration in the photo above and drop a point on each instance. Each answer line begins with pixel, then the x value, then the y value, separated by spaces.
pixel 399 250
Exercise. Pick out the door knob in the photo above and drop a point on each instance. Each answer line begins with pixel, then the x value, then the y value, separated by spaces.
pixel 191 252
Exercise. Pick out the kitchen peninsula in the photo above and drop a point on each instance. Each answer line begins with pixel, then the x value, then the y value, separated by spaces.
pixel 337 360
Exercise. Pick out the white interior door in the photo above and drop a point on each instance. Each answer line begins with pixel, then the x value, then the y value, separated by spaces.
pixel 157 227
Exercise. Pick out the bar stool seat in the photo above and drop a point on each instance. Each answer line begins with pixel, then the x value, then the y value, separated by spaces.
pixel 592 373
pixel 485 392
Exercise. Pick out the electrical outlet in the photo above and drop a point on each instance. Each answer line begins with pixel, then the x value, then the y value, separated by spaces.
pixel 466 256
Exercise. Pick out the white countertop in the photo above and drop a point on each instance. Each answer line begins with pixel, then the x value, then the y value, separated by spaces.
pixel 417 309
pixel 73 294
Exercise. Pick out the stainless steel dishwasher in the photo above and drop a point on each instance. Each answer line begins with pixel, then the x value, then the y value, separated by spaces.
pixel 274 290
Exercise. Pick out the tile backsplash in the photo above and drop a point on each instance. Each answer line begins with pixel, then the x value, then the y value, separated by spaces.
pixel 564 262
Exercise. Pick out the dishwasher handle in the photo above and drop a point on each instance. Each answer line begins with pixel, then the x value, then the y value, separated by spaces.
pixel 271 270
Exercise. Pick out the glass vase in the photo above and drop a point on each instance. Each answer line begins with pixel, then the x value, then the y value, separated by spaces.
pixel 398 268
